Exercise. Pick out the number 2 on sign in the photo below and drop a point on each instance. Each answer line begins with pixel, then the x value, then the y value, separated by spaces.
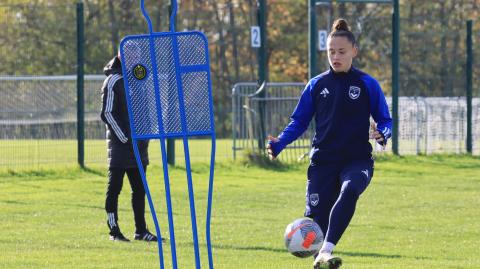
pixel 255 36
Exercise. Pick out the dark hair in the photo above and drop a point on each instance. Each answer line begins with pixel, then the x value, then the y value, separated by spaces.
pixel 340 28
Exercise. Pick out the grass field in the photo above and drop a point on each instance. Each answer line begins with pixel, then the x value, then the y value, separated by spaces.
pixel 419 212
pixel 24 154
pixel 34 154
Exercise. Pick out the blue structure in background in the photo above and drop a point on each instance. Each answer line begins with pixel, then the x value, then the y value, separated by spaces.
pixel 169 95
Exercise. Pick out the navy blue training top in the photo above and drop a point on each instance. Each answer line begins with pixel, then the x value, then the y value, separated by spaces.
pixel 342 104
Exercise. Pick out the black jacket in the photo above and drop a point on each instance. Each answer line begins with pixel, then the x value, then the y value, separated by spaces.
pixel 115 115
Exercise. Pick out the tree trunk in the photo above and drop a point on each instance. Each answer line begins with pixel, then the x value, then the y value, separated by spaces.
pixel 222 44
pixel 158 19
pixel 114 39
pixel 233 33
pixel 443 51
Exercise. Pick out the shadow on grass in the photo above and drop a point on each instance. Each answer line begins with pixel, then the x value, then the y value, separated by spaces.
pixel 63 205
pixel 214 246
pixel 14 202
pixel 27 173
pixel 249 248
pixel 369 254
pixel 340 253
pixel 377 255
pixel 258 159
pixel 95 171
pixel 64 173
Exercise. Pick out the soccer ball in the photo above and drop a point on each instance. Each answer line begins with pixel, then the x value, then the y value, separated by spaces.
pixel 303 237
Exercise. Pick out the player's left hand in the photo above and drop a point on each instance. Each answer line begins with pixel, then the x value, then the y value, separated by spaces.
pixel 270 153
pixel 377 135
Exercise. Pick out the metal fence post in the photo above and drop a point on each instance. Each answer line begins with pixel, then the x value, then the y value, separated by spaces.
pixel 234 123
pixel 262 67
pixel 418 133
pixel 395 72
pixel 80 86
pixel 469 74
pixel 312 37
pixel 171 141
pixel 459 132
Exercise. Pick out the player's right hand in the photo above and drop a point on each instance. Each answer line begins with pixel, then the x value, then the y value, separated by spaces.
pixel 377 135
pixel 271 140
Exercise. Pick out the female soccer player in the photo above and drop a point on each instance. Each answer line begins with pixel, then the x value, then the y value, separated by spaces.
pixel 341 100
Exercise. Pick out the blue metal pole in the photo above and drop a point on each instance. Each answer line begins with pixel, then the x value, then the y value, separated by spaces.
pixel 150 202
pixel 186 152
pixel 209 202
pixel 162 143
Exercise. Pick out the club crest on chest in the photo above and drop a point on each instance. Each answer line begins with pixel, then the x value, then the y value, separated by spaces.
pixel 354 92
pixel 314 198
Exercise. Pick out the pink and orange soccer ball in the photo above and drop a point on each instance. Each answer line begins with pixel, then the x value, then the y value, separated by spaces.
pixel 303 237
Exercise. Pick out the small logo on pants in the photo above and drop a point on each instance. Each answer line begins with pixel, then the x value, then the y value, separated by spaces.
pixel 365 172
pixel 314 199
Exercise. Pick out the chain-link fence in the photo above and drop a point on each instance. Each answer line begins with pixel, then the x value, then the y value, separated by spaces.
pixel 38 113
pixel 38 93
pixel 433 72
pixel 427 124
pixel 250 121
pixel 38 120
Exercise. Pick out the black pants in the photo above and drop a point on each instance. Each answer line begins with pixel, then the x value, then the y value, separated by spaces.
pixel 332 193
pixel 115 182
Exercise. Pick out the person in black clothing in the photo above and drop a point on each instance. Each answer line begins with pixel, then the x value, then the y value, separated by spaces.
pixel 121 158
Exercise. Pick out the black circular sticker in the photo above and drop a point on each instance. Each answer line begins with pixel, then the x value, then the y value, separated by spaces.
pixel 139 72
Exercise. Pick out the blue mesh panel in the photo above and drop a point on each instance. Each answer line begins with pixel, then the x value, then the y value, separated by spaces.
pixel 141 92
pixel 167 84
pixel 192 50
pixel 197 107
pixel 191 69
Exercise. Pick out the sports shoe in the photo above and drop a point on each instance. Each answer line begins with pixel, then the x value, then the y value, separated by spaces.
pixel 146 236
pixel 118 236
pixel 326 260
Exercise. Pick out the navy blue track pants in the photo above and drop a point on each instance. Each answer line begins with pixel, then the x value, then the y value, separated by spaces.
pixel 332 193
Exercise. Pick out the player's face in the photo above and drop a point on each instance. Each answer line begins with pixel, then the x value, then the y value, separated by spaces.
pixel 340 53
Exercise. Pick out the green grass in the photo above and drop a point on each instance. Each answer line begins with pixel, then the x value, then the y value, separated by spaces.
pixel 418 212
pixel 38 154
pixel 43 153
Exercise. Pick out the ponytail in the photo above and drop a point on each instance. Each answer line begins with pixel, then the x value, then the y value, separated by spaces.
pixel 340 28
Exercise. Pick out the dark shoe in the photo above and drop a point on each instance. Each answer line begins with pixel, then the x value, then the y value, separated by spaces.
pixel 118 237
pixel 146 236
